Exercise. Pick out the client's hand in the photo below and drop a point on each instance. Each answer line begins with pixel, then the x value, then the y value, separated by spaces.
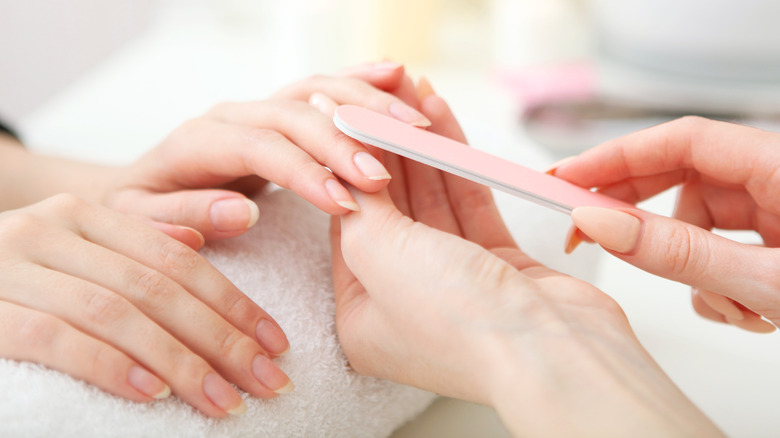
pixel 442 299
pixel 106 299
pixel 198 176
pixel 729 177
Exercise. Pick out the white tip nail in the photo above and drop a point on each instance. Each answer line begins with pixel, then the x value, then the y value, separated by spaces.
pixel 254 213
pixel 350 205
pixel 286 389
pixel 238 410
pixel 165 393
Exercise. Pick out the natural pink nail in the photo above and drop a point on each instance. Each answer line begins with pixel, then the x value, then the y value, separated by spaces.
pixel 370 166
pixel 340 195
pixel 266 371
pixel 233 214
pixel 613 229
pixel 147 383
pixel 219 391
pixel 407 114
pixel 272 338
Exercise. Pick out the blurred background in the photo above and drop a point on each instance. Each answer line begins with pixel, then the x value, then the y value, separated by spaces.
pixel 531 80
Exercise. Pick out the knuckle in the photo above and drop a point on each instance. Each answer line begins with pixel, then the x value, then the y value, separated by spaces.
pixel 231 343
pixel 65 204
pixel 176 259
pixel 153 288
pixel 105 308
pixel 38 331
pixel 239 307
pixel 430 200
pixel 679 256
pixel 19 226
pixel 304 173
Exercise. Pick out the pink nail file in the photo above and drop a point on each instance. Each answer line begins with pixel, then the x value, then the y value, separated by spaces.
pixel 457 158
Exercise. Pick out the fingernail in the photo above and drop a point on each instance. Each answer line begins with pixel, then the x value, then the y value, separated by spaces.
pixel 407 114
pixel 195 233
pixel 553 167
pixel 270 375
pixel 386 65
pixel 272 338
pixel 424 88
pixel 340 195
pixel 147 383
pixel 370 166
pixel 724 305
pixel 219 391
pixel 613 229
pixel 234 214
pixel 572 240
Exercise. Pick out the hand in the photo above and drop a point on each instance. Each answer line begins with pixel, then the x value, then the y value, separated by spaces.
pixel 106 299
pixel 729 178
pixel 432 292
pixel 237 147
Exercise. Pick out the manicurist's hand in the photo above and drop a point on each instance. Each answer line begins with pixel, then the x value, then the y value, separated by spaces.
pixel 729 178
pixel 118 304
pixel 199 175
pixel 431 291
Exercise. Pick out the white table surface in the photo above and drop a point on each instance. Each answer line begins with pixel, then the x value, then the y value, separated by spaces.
pixel 174 72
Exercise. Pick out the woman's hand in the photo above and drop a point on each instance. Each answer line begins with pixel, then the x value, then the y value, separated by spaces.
pixel 431 291
pixel 109 300
pixel 237 147
pixel 729 177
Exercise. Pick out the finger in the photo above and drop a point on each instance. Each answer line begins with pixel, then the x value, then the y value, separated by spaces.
pixel 473 205
pixel 726 152
pixel 214 214
pixel 384 75
pixel 38 337
pixel 353 91
pixel 428 199
pixel 682 252
pixel 314 133
pixel 112 319
pixel 286 143
pixel 235 355
pixel 186 235
pixel 702 308
pixel 721 304
pixel 323 103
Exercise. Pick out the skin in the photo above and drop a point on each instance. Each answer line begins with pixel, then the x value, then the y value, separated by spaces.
pixel 441 298
pixel 728 179
pixel 100 294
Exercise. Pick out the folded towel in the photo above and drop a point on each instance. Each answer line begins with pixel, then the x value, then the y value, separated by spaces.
pixel 283 264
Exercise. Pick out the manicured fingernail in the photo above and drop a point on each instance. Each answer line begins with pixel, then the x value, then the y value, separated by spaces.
pixel 555 166
pixel 266 371
pixel 724 305
pixel 370 166
pixel 755 324
pixel 386 65
pixel 197 234
pixel 572 240
pixel 219 391
pixel 424 88
pixel 147 383
pixel 340 195
pixel 613 229
pixel 323 103
pixel 272 338
pixel 234 214
pixel 407 114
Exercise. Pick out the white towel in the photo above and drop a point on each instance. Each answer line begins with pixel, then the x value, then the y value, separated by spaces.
pixel 283 263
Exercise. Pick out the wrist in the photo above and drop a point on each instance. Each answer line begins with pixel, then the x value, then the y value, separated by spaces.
pixel 573 382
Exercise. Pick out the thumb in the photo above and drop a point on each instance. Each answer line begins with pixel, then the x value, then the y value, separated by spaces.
pixel 216 214
pixel 683 252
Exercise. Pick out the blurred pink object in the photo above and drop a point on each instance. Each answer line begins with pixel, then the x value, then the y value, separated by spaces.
pixel 540 85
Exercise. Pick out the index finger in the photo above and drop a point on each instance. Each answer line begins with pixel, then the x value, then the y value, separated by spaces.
pixel 729 153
